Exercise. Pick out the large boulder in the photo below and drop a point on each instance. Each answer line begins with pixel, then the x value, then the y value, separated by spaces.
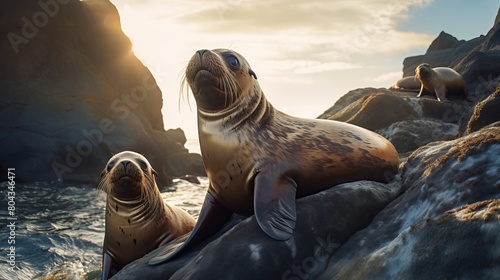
pixel 436 178
pixel 243 251
pixel 366 112
pixel 73 93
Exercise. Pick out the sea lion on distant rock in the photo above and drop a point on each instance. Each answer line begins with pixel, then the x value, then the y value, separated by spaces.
pixel 137 219
pixel 407 83
pixel 259 160
pixel 440 81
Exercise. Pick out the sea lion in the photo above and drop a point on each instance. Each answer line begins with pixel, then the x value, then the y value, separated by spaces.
pixel 440 81
pixel 259 160
pixel 137 220
pixel 407 83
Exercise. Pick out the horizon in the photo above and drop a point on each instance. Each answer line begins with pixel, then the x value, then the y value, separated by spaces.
pixel 306 55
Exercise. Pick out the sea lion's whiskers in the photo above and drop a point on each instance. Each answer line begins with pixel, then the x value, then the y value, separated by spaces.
pixel 184 92
pixel 104 185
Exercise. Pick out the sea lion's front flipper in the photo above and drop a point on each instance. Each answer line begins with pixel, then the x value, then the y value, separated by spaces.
pixel 274 203
pixel 212 217
pixel 107 266
pixel 441 93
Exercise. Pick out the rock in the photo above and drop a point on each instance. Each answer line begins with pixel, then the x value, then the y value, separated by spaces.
pixel 365 111
pixel 348 99
pixel 74 94
pixel 409 123
pixel 443 41
pixel 486 112
pixel 177 135
pixel 181 165
pixel 407 136
pixel 429 249
pixel 245 252
pixel 436 178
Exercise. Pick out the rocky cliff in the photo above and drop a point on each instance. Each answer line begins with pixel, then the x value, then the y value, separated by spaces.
pixel 438 219
pixel 73 94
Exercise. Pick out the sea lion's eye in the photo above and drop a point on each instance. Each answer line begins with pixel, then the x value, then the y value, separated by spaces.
pixel 232 60
pixel 143 165
pixel 110 165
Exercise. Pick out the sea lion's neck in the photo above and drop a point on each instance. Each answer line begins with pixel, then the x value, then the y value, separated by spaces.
pixel 137 209
pixel 253 108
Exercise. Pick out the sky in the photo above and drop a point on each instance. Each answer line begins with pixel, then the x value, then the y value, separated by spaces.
pixel 306 54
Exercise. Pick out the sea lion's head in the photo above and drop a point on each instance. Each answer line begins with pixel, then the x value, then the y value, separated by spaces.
pixel 128 176
pixel 218 78
pixel 423 70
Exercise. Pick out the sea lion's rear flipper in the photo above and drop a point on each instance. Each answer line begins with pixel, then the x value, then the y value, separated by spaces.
pixel 274 203
pixel 212 217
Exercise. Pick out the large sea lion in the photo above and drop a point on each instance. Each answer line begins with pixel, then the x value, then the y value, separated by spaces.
pixel 440 81
pixel 259 160
pixel 137 220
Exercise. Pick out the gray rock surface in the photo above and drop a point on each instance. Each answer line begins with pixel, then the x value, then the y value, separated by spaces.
pixel 436 178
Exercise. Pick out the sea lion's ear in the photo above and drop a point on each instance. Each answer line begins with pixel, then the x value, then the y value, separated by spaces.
pixel 252 73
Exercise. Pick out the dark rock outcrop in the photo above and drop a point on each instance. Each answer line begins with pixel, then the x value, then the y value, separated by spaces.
pixel 436 178
pixel 246 248
pixel 486 112
pixel 73 93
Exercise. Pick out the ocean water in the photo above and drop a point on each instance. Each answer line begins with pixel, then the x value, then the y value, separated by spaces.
pixel 59 228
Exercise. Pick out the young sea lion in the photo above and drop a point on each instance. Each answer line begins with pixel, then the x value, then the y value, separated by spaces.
pixel 137 219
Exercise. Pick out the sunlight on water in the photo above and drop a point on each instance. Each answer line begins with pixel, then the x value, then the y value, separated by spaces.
pixel 60 228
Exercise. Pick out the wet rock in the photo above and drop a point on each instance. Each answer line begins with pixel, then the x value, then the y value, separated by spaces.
pixel 436 178
pixel 324 221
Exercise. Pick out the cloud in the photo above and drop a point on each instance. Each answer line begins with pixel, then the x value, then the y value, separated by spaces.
pixel 326 67
pixel 392 76
pixel 335 17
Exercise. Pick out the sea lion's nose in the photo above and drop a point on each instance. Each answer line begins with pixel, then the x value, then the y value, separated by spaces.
pixel 201 52
pixel 125 163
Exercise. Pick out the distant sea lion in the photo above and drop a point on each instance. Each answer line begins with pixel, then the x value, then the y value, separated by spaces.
pixel 440 81
pixel 408 83
pixel 259 160
pixel 137 219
